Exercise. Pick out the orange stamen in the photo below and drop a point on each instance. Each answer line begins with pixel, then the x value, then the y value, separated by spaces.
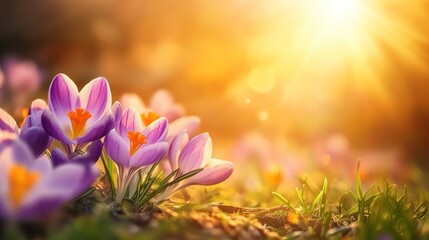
pixel 136 140
pixel 78 120
pixel 24 114
pixel 148 118
pixel 275 176
pixel 21 181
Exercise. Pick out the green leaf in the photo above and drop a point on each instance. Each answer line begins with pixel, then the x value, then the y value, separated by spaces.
pixel 316 201
pixel 301 199
pixel 353 210
pixel 109 176
pixel 171 175
pixel 323 200
pixel 369 190
pixel 283 199
pixel 165 186
pixel 359 183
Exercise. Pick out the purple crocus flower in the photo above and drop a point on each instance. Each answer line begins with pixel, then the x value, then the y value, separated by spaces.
pixel 190 155
pixel 32 131
pixel 81 117
pixel 31 188
pixel 132 146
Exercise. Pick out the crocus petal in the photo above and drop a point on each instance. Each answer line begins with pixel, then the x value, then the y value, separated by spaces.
pixel 98 130
pixel 156 131
pixel 163 103
pixel 37 106
pixel 32 120
pixel 92 154
pixel 53 128
pixel 217 171
pixel 148 154
pixel 96 98
pixel 37 139
pixel 6 137
pixel 6 159
pixel 22 153
pixel 63 95
pixel 42 165
pixel 130 121
pixel 7 123
pixel 90 175
pixel 117 149
pixel 16 152
pixel 64 183
pixel 35 114
pixel 58 157
pixel 176 147
pixel 191 123
pixel 117 112
pixel 166 167
pixel 195 153
pixel 132 100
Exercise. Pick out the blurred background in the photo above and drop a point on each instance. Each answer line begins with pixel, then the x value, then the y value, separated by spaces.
pixel 284 86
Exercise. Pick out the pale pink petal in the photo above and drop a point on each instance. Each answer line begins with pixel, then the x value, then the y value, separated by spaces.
pixel 190 123
pixel 132 100
pixel 176 147
pixel 163 103
pixel 215 172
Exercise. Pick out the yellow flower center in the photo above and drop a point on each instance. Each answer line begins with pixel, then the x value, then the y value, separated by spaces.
pixel 78 120
pixel 21 181
pixel 148 118
pixel 136 140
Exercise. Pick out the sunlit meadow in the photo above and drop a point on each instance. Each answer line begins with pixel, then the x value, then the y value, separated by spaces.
pixel 204 119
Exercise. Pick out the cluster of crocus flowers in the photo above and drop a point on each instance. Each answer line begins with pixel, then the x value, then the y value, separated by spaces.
pixel 37 177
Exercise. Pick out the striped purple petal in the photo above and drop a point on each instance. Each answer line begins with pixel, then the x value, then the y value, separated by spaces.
pixel 148 154
pixel 62 98
pixel 53 128
pixel 196 153
pixel 7 123
pixel 96 98
pixel 156 131
pixel 215 172
pixel 176 147
pixel 130 121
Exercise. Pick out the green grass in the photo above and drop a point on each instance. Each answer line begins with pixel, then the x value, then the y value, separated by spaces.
pixel 318 209
pixel 381 210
